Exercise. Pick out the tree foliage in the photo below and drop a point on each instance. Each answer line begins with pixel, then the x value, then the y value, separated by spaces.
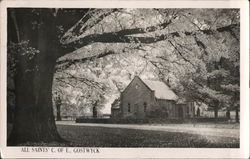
pixel 201 61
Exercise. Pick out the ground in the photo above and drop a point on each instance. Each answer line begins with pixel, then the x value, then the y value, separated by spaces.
pixel 132 135
pixel 145 135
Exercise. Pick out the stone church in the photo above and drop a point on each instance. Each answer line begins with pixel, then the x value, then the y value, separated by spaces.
pixel 150 99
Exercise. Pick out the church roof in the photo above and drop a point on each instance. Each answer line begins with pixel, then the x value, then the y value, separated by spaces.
pixel 162 91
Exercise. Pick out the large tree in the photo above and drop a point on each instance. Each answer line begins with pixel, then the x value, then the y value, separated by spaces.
pixel 40 29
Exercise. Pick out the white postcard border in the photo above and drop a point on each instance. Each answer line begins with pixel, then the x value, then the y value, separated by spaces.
pixel 242 152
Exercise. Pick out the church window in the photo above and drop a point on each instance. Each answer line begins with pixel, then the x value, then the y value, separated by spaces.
pixel 145 106
pixel 129 109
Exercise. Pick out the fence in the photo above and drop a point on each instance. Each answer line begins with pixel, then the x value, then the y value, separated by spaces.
pixel 221 114
pixel 73 118
pixel 111 121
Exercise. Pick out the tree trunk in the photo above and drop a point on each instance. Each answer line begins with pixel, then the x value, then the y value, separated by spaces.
pixel 58 112
pixel 198 112
pixel 94 110
pixel 237 115
pixel 216 111
pixel 228 114
pixel 34 120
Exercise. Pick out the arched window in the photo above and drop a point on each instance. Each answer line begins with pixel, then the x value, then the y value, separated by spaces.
pixel 145 106
pixel 129 107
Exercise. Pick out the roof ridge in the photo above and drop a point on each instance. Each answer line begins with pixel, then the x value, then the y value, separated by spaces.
pixel 144 80
pixel 160 88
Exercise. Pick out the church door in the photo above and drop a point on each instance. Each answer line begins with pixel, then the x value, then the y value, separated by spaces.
pixel 139 112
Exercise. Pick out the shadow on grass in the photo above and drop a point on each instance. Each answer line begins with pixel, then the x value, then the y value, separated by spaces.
pixel 117 137
pixel 85 136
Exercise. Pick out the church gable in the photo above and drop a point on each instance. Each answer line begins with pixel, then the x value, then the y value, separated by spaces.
pixel 137 99
pixel 136 85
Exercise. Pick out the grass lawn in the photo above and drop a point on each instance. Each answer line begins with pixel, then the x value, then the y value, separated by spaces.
pixel 86 136
pixel 117 137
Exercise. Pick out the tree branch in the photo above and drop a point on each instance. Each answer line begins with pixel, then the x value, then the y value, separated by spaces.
pixel 69 62
pixel 67 83
pixel 123 37
pixel 184 58
pixel 13 16
pixel 86 81
pixel 89 20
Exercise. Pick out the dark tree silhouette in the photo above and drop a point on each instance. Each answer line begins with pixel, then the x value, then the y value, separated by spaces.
pixel 34 119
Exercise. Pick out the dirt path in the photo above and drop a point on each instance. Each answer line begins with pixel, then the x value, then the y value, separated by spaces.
pixel 185 128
